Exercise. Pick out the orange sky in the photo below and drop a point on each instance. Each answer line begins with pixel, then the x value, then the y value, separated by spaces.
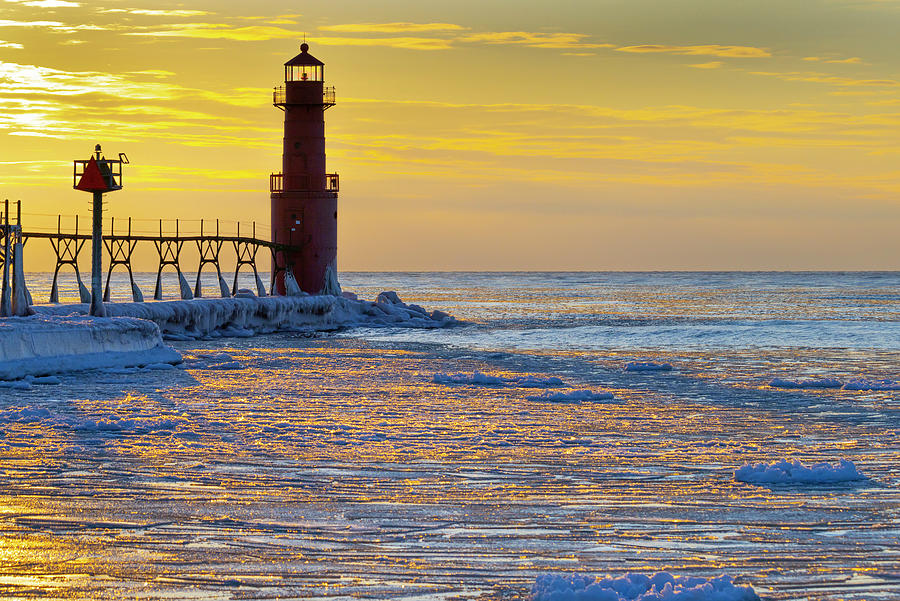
pixel 483 135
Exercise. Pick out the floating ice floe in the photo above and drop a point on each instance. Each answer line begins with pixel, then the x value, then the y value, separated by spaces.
pixel 573 396
pixel 862 384
pixel 661 586
pixel 478 378
pixel 807 383
pixel 647 366
pixel 854 384
pixel 795 472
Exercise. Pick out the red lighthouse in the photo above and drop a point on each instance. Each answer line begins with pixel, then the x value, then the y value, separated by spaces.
pixel 304 196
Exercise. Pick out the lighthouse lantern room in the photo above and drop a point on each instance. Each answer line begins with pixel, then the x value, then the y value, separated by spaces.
pixel 304 195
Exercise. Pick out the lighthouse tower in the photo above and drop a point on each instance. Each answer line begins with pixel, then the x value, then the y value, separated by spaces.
pixel 304 196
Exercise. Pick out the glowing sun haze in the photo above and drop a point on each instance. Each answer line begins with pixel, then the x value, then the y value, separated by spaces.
pixel 594 134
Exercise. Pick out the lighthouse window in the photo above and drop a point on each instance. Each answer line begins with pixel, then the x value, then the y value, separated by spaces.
pixel 303 73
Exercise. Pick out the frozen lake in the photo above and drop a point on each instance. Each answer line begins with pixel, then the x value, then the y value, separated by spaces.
pixel 333 466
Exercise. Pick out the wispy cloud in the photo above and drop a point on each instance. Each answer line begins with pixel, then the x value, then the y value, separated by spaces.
pixel 51 25
pixel 534 39
pixel 250 33
pixel 157 13
pixel 5 44
pixel 826 78
pixel 407 43
pixel 703 50
pixel 853 60
pixel 391 27
pixel 46 3
pixel 709 65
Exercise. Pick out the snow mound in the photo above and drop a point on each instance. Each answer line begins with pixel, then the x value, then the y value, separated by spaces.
pixel 795 472
pixel 810 383
pixel 661 586
pixel 477 378
pixel 861 384
pixel 647 366
pixel 573 396
pixel 42 345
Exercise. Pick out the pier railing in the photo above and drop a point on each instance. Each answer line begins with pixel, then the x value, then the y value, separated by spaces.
pixel 278 182
pixel 68 235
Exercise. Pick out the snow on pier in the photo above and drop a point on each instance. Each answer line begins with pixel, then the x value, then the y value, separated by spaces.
pixel 62 338
pixel 42 344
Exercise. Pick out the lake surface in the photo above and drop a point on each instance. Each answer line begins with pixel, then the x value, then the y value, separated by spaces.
pixel 332 465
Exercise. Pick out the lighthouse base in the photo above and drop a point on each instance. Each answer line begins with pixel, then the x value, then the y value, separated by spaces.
pixel 307 222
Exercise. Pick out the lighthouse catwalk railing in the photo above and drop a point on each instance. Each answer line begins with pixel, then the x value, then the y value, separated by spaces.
pixel 211 244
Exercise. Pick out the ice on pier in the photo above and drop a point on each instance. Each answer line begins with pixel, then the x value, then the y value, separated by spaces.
pixel 795 472
pixel 661 586
pixel 863 384
pixel 572 396
pixel 247 314
pixel 42 345
pixel 647 366
pixel 806 383
pixel 478 378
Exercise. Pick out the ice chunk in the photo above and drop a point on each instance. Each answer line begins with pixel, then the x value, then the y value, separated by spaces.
pixel 647 366
pixel 573 396
pixel 862 384
pixel 795 472
pixel 810 383
pixel 661 586
pixel 389 297
pixel 535 382
pixel 476 378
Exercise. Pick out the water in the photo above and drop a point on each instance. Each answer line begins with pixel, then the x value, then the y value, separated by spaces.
pixel 331 466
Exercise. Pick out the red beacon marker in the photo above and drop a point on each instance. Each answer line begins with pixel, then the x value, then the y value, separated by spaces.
pixel 98 175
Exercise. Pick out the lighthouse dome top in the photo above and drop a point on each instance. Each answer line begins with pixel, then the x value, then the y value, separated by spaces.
pixel 304 58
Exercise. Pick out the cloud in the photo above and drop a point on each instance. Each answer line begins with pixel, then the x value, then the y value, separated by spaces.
pixel 407 43
pixel 814 77
pixel 391 27
pixel 46 3
pixel 853 60
pixel 157 13
pixel 709 65
pixel 52 25
pixel 705 50
pixel 5 44
pixel 533 39
pixel 250 33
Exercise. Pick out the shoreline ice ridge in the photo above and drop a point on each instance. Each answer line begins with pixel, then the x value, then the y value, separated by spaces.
pixel 247 314
pixel 62 338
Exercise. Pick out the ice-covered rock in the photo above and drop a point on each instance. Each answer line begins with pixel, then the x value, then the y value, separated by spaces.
pixel 572 396
pixel 661 586
pixel 389 297
pixel 647 366
pixel 795 472
pixel 42 344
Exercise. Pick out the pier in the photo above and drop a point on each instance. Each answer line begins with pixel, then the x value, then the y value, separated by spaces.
pixel 120 240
